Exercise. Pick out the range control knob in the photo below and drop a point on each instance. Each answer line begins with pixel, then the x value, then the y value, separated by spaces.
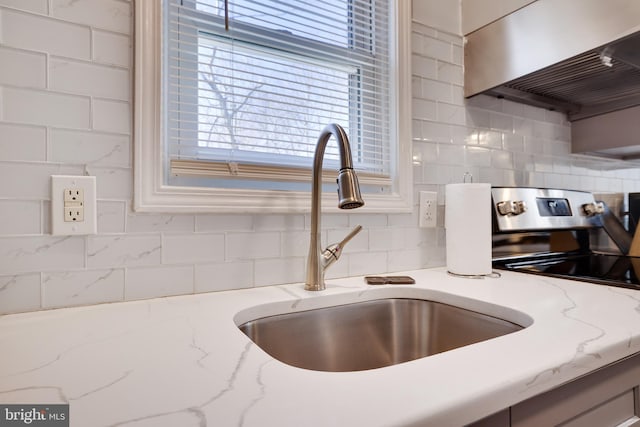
pixel 592 209
pixel 511 207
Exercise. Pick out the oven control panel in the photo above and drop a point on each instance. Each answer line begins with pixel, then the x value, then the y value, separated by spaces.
pixel 524 208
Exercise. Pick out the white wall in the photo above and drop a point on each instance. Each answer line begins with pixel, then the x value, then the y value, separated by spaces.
pixel 65 107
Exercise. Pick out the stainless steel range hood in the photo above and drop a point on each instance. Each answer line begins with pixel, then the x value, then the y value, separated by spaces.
pixel 581 57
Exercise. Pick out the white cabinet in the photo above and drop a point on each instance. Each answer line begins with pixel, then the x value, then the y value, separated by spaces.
pixel 478 13
pixel 607 397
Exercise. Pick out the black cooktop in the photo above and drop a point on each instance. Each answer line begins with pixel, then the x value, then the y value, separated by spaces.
pixel 612 270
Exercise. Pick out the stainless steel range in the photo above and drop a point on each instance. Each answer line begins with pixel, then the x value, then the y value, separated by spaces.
pixel 550 232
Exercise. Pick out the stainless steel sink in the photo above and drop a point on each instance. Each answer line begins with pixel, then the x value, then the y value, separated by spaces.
pixel 372 334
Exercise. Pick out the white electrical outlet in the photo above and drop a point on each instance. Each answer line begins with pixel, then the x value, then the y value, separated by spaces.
pixel 428 210
pixel 73 214
pixel 73 205
pixel 73 195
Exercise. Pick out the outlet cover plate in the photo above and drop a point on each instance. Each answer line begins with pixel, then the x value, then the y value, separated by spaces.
pixel 86 185
pixel 428 209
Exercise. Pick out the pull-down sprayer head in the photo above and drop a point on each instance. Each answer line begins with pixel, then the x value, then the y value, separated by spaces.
pixel 348 190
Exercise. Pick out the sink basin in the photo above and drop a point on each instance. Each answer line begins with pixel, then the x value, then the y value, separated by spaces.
pixel 371 334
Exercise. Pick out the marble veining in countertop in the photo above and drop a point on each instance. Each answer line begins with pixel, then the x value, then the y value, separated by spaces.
pixel 181 361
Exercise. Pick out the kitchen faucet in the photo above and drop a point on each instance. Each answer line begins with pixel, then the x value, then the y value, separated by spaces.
pixel 348 198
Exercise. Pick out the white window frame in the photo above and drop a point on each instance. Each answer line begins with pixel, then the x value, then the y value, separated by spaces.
pixel 152 195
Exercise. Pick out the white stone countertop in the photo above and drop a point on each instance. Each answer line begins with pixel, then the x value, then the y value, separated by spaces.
pixel 182 361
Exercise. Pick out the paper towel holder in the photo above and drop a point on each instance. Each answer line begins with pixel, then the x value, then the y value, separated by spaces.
pixel 494 274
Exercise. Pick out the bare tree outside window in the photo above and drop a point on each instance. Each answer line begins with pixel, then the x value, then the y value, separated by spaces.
pixel 278 110
pixel 257 99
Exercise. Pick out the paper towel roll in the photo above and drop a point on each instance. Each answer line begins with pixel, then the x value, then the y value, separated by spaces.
pixel 468 228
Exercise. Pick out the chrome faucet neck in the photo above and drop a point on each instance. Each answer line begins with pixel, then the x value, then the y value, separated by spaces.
pixel 348 193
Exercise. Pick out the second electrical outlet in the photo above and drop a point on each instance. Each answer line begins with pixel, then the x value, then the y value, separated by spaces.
pixel 428 210
pixel 73 205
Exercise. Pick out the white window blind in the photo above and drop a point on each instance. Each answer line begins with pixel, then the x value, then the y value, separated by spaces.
pixel 251 83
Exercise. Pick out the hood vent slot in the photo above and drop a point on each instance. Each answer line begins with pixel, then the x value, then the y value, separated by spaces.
pixel 581 57
pixel 584 85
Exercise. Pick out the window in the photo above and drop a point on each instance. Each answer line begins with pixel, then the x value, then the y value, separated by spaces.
pixel 231 97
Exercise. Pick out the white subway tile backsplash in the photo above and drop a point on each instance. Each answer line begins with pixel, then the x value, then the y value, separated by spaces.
pixel 36 6
pixel 279 270
pixel 82 287
pixel 436 132
pixel 368 263
pixel 193 248
pixel 22 68
pixel 436 49
pixel 19 180
pixel 19 142
pixel 19 293
pixel 45 108
pixel 113 183
pixel 543 164
pixel 153 282
pixel 424 67
pixel 123 250
pixel 110 48
pixel 224 222
pixel 451 114
pixel 449 154
pixel 112 15
pixel 478 118
pixel 512 108
pixel 404 220
pixel 111 116
pixel 513 142
pixel 278 222
pixel 145 223
pixel 387 239
pixel 450 73
pixel 19 217
pixel 413 259
pixel 458 55
pixel 295 243
pixel 111 216
pixel 368 220
pixel 256 245
pixel 436 91
pixel 220 277
pixel 501 122
pixel 416 87
pixel 490 138
pixel 65 108
pixel 424 109
pixel 478 156
pixel 523 161
pixel 501 159
pixel 335 220
pixel 41 253
pixel 43 34
pixel 94 148
pixel 66 75
pixel 534 113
